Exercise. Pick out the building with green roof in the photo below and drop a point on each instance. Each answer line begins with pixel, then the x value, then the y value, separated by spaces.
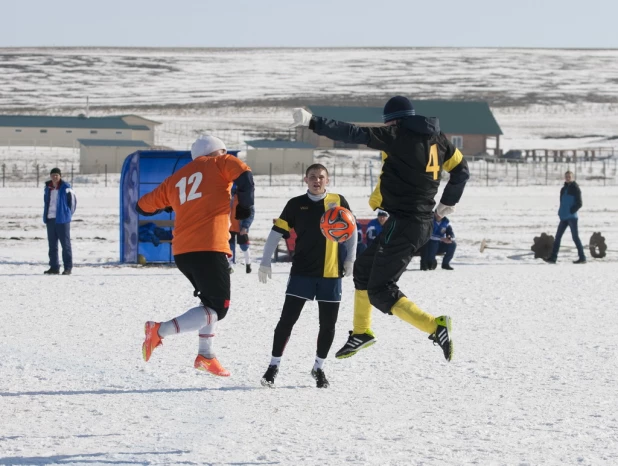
pixel 470 126
pixel 65 131
pixel 103 142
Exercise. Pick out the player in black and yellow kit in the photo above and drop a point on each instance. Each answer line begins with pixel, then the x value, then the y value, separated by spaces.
pixel 317 267
pixel 414 153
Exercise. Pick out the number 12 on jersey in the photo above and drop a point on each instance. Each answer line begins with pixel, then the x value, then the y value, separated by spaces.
pixel 194 180
pixel 432 164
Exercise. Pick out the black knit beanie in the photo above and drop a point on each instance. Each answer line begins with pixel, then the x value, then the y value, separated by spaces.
pixel 397 107
pixel 55 170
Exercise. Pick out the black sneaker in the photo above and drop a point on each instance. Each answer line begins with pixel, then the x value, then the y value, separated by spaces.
pixel 443 336
pixel 447 267
pixel 355 343
pixel 248 268
pixel 432 265
pixel 580 261
pixel 320 378
pixel 52 272
pixel 268 379
pixel 66 272
pixel 424 265
pixel 550 260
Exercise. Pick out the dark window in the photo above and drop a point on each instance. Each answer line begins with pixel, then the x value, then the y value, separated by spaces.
pixel 69 131
pixel 43 131
pixel 93 131
pixel 118 132
pixel 18 130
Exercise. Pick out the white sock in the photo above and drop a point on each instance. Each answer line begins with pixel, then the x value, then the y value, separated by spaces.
pixel 192 320
pixel 247 256
pixel 275 361
pixel 318 364
pixel 207 336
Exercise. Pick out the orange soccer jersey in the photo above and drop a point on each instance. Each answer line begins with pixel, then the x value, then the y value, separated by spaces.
pixel 199 193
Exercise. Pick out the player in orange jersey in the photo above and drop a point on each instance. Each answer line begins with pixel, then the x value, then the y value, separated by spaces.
pixel 199 193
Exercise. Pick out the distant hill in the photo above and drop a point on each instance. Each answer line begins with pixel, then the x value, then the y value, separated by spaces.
pixel 163 79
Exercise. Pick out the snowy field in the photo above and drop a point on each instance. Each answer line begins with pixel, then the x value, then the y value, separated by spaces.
pixel 535 371
pixel 533 380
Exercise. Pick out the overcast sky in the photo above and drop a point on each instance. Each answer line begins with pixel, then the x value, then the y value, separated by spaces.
pixel 309 23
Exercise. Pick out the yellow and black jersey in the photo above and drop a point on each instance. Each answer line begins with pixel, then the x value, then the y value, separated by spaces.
pixel 414 153
pixel 314 255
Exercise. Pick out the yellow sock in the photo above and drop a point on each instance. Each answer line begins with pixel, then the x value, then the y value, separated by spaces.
pixel 362 312
pixel 412 314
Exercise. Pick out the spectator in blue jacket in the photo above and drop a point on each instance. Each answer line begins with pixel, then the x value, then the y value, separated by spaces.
pixel 570 203
pixel 59 205
pixel 442 241
pixel 374 228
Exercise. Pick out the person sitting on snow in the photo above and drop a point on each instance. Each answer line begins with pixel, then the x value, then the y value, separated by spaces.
pixel 374 228
pixel 442 241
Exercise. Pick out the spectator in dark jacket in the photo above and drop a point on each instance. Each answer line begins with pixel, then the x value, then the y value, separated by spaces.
pixel 59 206
pixel 570 203
pixel 442 241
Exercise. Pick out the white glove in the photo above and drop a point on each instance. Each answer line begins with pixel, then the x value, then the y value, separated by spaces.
pixel 348 269
pixel 444 210
pixel 301 117
pixel 264 273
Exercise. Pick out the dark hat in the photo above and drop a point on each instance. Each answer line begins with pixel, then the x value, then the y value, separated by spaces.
pixel 382 213
pixel 55 170
pixel 397 107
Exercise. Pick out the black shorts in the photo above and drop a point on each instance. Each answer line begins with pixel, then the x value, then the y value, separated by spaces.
pixel 208 273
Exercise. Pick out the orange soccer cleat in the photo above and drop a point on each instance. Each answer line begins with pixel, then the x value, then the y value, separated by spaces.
pixel 153 340
pixel 210 365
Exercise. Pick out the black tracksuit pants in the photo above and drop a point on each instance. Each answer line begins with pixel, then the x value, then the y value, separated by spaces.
pixel 290 314
pixel 379 268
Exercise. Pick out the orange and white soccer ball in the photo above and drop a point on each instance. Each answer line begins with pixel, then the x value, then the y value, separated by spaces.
pixel 338 224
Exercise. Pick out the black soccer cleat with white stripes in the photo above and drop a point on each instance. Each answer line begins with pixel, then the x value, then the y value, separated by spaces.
pixel 320 378
pixel 444 336
pixel 355 343
pixel 268 379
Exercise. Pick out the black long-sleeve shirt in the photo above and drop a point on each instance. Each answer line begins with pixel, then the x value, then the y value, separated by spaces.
pixel 414 154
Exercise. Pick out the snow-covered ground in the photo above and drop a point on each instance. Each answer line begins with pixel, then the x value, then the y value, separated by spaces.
pixel 59 78
pixel 533 380
pixel 535 371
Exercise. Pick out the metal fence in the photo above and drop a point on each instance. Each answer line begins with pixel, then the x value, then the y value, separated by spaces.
pixel 501 172
pixel 39 174
pixel 483 172
pixel 364 171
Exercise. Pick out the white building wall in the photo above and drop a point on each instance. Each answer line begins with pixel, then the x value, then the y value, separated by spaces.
pixel 284 161
pixel 92 160
pixel 65 137
pixel 146 136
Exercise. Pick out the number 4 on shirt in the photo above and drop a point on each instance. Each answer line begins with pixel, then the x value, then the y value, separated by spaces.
pixel 432 164
pixel 194 180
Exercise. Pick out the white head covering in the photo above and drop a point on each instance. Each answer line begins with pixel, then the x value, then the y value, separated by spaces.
pixel 205 145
